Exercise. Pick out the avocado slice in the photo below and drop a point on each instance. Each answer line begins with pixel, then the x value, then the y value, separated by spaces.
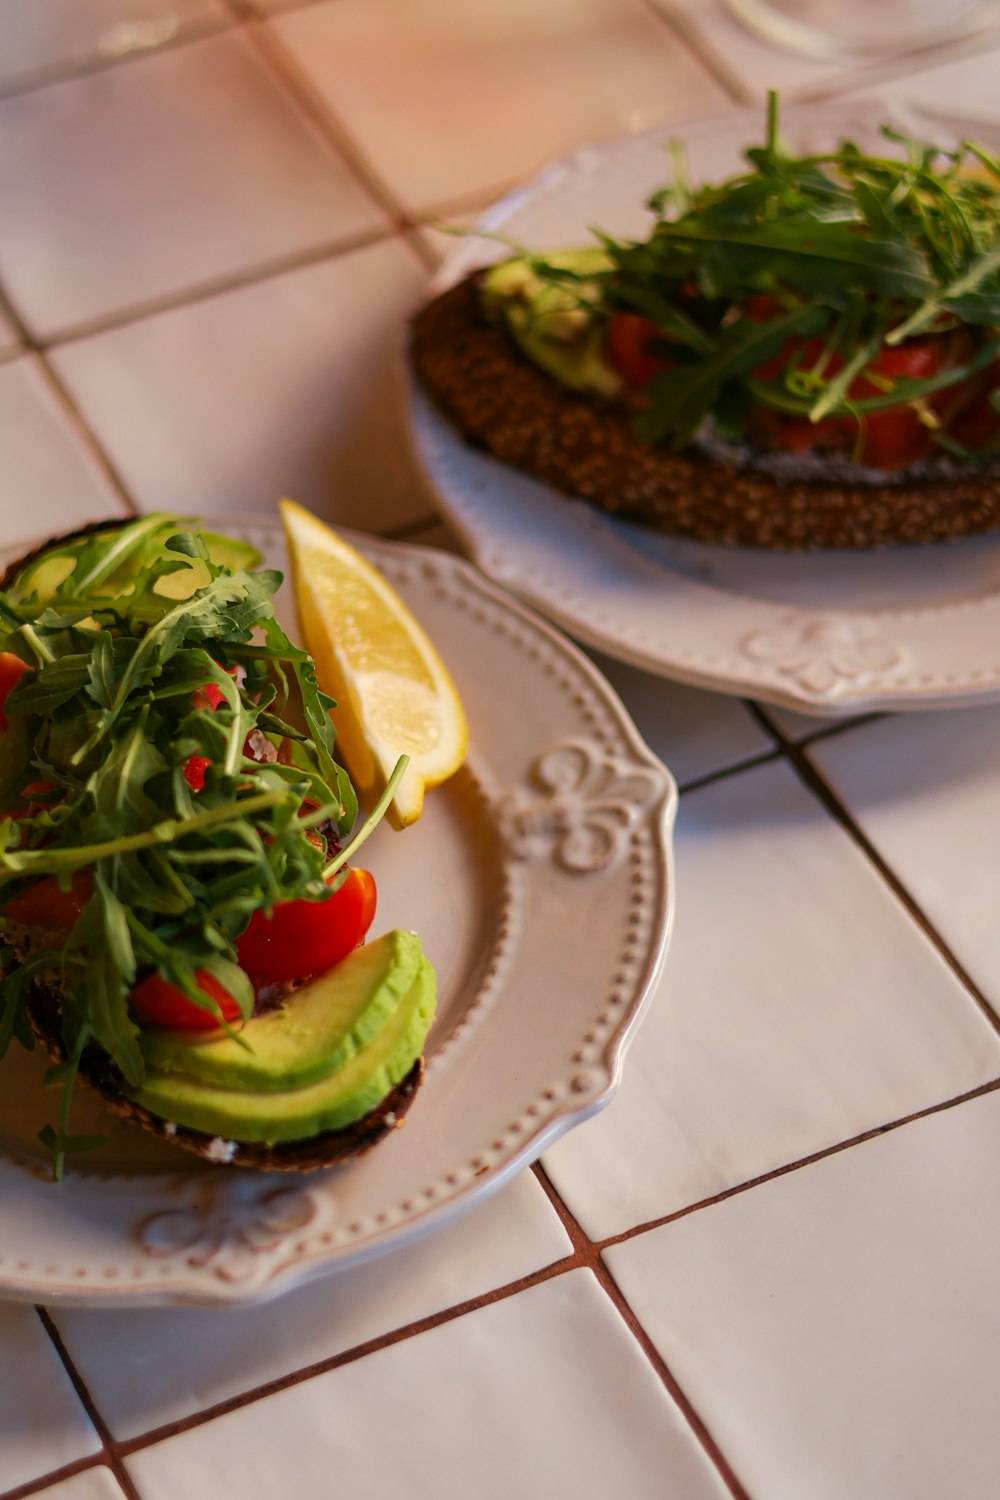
pixel 298 1114
pixel 319 1029
pixel 554 321
pixel 137 543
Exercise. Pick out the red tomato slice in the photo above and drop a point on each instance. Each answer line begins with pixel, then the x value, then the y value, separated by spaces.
pixel 194 771
pixel 892 438
pixel 158 1001
pixel 628 345
pixel 210 696
pixel 45 906
pixel 301 938
pixel 11 671
pixel 896 437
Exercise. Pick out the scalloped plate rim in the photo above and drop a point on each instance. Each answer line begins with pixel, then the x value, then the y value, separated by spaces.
pixel 199 1290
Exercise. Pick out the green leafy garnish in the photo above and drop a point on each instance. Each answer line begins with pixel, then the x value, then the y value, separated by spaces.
pixel 123 630
pixel 852 251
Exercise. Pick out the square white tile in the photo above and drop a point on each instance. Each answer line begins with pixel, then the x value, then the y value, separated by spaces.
pixel 542 1394
pixel 291 386
pixel 43 1425
pixel 926 790
pixel 448 99
pixel 148 1368
pixel 115 194
pixel 50 479
pixel 838 1328
pixel 799 1006
pixel 50 35
pixel 97 1483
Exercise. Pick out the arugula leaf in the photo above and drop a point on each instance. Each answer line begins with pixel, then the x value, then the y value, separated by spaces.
pixel 681 397
pixel 866 247
pixel 109 715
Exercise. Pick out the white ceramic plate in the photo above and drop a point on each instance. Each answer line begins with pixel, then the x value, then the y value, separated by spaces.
pixel 830 633
pixel 558 826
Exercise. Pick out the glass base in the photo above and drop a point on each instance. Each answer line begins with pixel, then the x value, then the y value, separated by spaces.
pixel 846 29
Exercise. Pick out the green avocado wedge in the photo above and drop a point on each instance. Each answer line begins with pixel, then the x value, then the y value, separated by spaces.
pixel 320 1027
pixel 103 563
pixel 554 322
pixel 298 1114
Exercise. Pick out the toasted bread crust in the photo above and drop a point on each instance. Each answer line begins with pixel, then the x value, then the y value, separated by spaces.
pixel 587 448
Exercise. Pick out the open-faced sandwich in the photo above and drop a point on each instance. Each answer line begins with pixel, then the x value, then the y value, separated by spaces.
pixel 804 355
pixel 181 927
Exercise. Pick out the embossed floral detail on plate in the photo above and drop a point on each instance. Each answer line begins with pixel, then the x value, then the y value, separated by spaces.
pixel 823 655
pixel 579 809
pixel 227 1225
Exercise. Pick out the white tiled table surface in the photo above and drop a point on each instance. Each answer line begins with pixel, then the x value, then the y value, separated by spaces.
pixel 768 1270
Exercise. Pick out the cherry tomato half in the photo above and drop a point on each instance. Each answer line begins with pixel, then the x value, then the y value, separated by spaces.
pixel 158 1001
pixel 300 938
pixel 194 771
pixel 629 345
pixel 209 696
pixel 11 669
pixel 892 438
pixel 47 907
pixel 896 437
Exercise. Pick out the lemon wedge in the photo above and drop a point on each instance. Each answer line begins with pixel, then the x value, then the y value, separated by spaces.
pixel 394 694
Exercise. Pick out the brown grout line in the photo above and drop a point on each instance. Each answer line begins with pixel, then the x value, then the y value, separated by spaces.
pixel 110 1456
pixel 54 1476
pixel 87 436
pixel 800 1162
pixel 218 286
pixel 821 789
pixel 709 778
pixel 286 72
pixel 338 135
pixel 714 64
pixel 345 1357
pixel 826 729
pixel 588 1255
pixel 407 221
pixel 690 1413
pixel 98 62
pixel 71 411
pixel 796 753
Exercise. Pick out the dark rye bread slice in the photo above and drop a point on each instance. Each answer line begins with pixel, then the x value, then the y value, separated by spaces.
pixel 99 1073
pixel 585 447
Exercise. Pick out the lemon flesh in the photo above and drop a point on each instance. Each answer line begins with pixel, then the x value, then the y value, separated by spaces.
pixel 394 694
